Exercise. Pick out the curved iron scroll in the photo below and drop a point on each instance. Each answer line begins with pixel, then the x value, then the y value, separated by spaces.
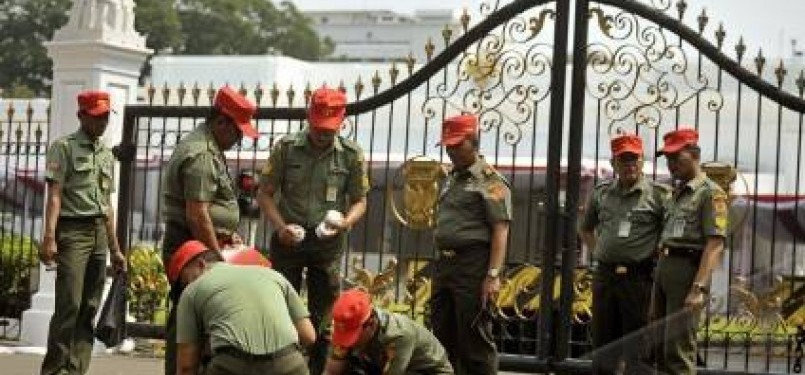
pixel 723 61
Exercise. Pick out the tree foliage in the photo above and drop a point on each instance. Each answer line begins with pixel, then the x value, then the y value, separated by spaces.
pixel 198 27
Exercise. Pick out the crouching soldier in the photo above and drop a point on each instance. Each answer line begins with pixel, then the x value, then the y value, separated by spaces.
pixel 368 340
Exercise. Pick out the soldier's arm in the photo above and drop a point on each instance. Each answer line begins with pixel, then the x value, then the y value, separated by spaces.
pixel 335 366
pixel 55 174
pixel 399 354
pixel 187 335
pixel 358 187
pixel 187 361
pixel 200 185
pixel 117 257
pixel 271 178
pixel 714 221
pixel 299 315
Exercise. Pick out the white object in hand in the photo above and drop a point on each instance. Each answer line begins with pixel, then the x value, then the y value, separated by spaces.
pixel 329 226
pixel 334 218
pixel 297 231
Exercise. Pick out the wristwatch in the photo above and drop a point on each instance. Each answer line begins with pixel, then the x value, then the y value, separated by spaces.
pixel 493 273
pixel 703 289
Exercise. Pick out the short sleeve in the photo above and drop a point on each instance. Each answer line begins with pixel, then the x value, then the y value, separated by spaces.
pixel 714 214
pixel 590 219
pixel 296 308
pixel 358 185
pixel 56 162
pixel 399 353
pixel 271 174
pixel 200 181
pixel 187 329
pixel 498 201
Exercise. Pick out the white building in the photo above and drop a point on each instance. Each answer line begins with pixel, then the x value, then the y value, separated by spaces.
pixel 382 35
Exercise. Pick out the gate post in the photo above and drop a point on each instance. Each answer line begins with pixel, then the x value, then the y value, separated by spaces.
pixel 98 48
pixel 545 334
pixel 574 154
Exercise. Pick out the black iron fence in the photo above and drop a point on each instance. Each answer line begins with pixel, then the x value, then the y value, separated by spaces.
pixel 634 66
pixel 23 144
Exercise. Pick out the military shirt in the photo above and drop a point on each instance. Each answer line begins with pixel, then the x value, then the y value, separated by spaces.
pixel 85 171
pixel 696 211
pixel 627 222
pixel 402 346
pixel 472 200
pixel 251 308
pixel 197 171
pixel 310 183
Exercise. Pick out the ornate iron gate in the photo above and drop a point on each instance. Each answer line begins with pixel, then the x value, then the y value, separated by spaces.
pixel 633 66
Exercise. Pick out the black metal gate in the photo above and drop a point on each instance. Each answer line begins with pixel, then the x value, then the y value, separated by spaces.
pixel 633 66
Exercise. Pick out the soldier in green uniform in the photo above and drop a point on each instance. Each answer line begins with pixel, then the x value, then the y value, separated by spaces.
pixel 79 228
pixel 248 316
pixel 199 200
pixel 691 245
pixel 621 226
pixel 308 174
pixel 472 229
pixel 369 340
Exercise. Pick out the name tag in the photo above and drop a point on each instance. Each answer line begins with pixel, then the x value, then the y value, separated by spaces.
pixel 679 228
pixel 331 193
pixel 624 227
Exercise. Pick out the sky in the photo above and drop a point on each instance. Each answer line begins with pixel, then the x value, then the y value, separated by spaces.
pixel 770 24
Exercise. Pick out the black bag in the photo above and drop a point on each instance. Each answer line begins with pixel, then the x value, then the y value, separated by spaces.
pixel 111 328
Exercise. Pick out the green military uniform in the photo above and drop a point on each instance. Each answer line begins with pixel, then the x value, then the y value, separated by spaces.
pixel 197 171
pixel 472 201
pixel 627 224
pixel 309 184
pixel 401 346
pixel 696 211
pixel 83 168
pixel 248 313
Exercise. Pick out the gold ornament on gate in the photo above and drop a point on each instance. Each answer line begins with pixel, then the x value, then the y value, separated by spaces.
pixel 420 191
pixel 725 175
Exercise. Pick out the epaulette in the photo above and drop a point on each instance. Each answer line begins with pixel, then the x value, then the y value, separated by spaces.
pixel 350 144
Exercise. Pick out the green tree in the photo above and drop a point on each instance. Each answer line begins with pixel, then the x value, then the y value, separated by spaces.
pixel 24 27
pixel 218 27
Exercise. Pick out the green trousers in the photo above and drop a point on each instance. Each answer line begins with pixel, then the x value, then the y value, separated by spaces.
pixel 289 364
pixel 81 269
pixel 459 321
pixel 320 260
pixel 677 326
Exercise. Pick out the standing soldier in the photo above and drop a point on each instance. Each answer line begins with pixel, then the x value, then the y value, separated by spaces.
pixel 79 228
pixel 249 316
pixel 198 192
pixel 369 340
pixel 314 171
pixel 691 245
pixel 622 226
pixel 471 234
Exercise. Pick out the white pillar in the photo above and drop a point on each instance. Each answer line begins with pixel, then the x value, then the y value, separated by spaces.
pixel 97 49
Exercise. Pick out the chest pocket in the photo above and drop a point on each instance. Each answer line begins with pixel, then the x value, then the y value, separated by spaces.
pixel 294 176
pixel 643 217
pixel 83 170
pixel 337 179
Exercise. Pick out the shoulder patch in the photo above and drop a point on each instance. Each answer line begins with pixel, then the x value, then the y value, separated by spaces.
pixel 721 209
pixel 496 190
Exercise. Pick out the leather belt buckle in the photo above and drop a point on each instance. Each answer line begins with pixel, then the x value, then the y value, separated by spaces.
pixel 448 253
pixel 621 270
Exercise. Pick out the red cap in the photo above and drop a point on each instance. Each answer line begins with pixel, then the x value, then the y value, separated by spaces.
pixel 676 140
pixel 238 108
pixel 94 103
pixel 626 143
pixel 246 257
pixel 455 129
pixel 352 308
pixel 327 109
pixel 184 254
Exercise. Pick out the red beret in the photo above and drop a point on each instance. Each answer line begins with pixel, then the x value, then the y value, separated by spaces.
pixel 182 256
pixel 455 129
pixel 626 143
pixel 676 140
pixel 94 103
pixel 327 109
pixel 352 308
pixel 238 108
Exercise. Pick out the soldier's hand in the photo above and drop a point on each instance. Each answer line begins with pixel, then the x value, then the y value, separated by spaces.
pixel 694 300
pixel 490 289
pixel 119 261
pixel 286 236
pixel 48 251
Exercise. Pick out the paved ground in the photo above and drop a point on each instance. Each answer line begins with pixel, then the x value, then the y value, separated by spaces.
pixel 28 364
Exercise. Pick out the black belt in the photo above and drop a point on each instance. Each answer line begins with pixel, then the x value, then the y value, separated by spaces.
pixel 681 252
pixel 450 252
pixel 82 219
pixel 645 267
pixel 238 353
